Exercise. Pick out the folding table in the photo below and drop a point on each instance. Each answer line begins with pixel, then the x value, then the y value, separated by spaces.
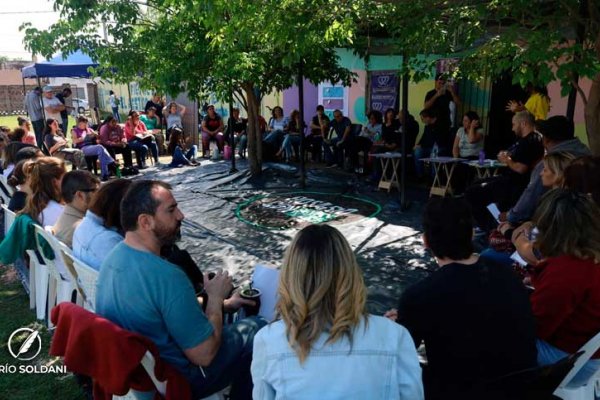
pixel 445 165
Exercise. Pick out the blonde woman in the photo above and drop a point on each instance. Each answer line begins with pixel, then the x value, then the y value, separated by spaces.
pixel 324 344
pixel 554 166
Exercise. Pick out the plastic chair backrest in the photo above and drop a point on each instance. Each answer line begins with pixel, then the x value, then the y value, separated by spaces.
pixel 149 363
pixel 51 263
pixel 588 350
pixel 9 218
pixel 6 191
pixel 86 282
pixel 355 129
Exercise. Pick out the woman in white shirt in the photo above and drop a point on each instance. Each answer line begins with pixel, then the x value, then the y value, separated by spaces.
pixel 325 345
pixel 44 177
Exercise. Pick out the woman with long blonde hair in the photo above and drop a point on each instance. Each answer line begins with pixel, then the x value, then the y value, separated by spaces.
pixel 44 177
pixel 328 344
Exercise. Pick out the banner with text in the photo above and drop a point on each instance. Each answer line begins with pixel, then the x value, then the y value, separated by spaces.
pixel 384 90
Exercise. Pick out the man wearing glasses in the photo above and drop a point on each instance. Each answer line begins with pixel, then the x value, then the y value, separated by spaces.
pixel 77 189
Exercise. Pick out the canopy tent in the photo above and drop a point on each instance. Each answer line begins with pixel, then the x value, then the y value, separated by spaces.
pixel 74 66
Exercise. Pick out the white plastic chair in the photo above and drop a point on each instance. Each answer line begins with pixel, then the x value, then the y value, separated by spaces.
pixel 9 218
pixel 59 289
pixel 148 362
pixel 85 279
pixel 591 388
pixel 6 191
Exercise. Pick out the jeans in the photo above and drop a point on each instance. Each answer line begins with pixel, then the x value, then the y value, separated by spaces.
pixel 288 142
pixel 179 158
pixel 115 111
pixel 497 257
pixel 337 155
pixel 420 153
pixel 148 143
pixel 206 138
pixel 38 128
pixel 231 365
pixel 275 138
pixel 242 143
pixel 65 125
pixel 102 154
pixel 125 151
pixel 496 189
pixel 548 354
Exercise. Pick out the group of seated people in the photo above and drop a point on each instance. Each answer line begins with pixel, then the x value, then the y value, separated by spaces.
pixel 473 314
pixel 337 138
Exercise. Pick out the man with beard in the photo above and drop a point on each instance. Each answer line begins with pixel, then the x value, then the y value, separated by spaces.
pixel 143 293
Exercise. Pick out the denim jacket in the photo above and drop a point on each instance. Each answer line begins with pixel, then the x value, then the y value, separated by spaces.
pixel 381 363
pixel 92 241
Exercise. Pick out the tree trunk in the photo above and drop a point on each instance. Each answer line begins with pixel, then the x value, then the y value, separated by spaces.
pixel 253 131
pixel 592 116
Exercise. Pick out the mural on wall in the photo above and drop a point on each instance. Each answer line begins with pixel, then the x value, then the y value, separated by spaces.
pixel 384 90
pixel 333 97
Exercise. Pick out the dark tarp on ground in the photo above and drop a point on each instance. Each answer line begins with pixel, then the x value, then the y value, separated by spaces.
pixel 388 246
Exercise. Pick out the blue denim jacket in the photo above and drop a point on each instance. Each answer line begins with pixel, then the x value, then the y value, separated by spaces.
pixel 92 241
pixel 381 363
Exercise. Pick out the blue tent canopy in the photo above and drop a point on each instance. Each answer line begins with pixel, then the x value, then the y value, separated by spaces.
pixel 74 66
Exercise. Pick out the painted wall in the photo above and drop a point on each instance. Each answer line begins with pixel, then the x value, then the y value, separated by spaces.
pixel 558 106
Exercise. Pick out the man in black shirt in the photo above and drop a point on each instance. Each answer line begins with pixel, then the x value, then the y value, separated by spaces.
pixel 64 114
pixel 474 316
pixel 319 128
pixel 438 100
pixel 158 105
pixel 505 189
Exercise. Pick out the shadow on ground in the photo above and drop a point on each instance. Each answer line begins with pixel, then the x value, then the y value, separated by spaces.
pixel 388 246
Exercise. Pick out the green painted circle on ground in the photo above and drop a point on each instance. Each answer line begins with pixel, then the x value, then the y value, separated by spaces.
pixel 281 211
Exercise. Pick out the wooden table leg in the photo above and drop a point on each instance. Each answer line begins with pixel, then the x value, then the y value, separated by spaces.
pixel 384 182
pixel 436 187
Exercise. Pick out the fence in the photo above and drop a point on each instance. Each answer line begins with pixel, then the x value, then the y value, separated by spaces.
pixel 11 99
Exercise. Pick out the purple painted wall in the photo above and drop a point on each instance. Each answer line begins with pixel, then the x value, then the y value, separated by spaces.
pixel 311 98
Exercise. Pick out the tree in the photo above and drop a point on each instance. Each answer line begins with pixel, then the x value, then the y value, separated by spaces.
pixel 249 47
pixel 536 41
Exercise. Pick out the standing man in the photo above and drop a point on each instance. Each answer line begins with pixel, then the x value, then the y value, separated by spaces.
pixel 114 105
pixel 52 106
pixel 438 100
pixel 143 293
pixel 158 105
pixel 64 114
pixel 33 104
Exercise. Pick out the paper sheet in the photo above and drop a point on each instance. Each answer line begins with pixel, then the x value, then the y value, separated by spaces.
pixel 266 279
pixel 515 256
pixel 493 209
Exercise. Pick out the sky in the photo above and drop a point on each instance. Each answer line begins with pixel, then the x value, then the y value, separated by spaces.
pixel 12 14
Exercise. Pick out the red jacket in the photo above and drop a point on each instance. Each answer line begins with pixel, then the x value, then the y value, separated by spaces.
pixel 566 302
pixel 94 346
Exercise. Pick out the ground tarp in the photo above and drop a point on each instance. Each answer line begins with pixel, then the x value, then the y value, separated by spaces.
pixel 234 222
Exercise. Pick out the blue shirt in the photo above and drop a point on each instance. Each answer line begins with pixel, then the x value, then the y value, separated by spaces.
pixel 381 363
pixel 143 293
pixel 92 241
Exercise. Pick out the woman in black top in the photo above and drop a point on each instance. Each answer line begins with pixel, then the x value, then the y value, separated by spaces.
pixel 18 180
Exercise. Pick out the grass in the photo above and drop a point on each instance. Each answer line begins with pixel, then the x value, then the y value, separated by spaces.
pixel 14 314
pixel 11 121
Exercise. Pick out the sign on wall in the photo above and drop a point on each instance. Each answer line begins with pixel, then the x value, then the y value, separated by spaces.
pixel 384 90
pixel 333 97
